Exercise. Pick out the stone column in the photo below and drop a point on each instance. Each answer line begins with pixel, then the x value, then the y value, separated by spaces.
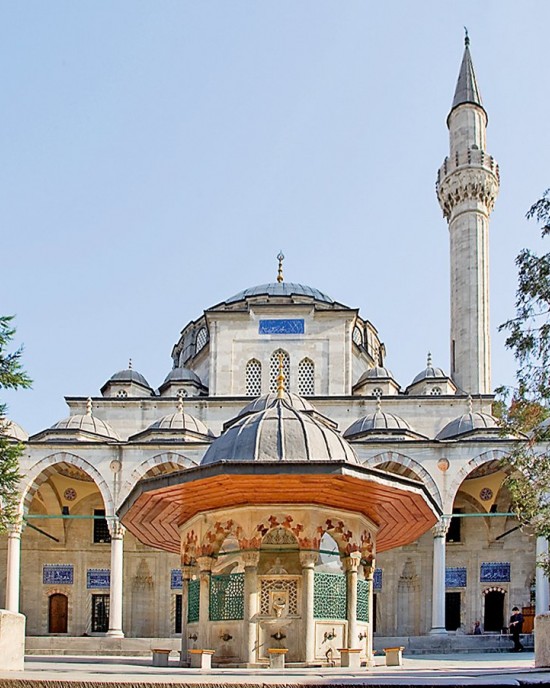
pixel 369 577
pixel 186 574
pixel 308 561
pixel 13 577
pixel 542 600
pixel 251 560
pixel 438 584
pixel 205 569
pixel 117 531
pixel 351 564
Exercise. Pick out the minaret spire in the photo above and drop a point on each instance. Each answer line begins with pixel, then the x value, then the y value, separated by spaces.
pixel 467 187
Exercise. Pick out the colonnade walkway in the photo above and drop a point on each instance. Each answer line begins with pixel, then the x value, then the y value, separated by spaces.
pixel 487 669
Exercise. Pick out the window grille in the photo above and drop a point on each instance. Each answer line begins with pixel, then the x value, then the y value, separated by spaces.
pixel 357 336
pixel 101 529
pixel 253 378
pixel 306 377
pixel 329 596
pixel 362 600
pixel 100 613
pixel 202 338
pixel 227 597
pixel 193 600
pixel 178 612
pixel 274 362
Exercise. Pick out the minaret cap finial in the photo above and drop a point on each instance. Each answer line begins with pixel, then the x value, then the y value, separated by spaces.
pixel 470 403
pixel 280 258
pixel 429 360
pixel 180 405
pixel 89 406
pixel 281 379
pixel 466 37
pixel 378 403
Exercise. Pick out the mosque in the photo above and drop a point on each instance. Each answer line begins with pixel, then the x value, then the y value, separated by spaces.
pixel 281 490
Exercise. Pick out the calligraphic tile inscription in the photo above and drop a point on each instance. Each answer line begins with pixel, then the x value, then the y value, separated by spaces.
pixel 176 579
pixel 455 577
pixel 495 572
pixel 98 578
pixel 57 574
pixel 280 326
pixel 377 579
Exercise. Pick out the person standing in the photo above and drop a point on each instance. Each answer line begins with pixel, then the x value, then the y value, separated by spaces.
pixel 516 626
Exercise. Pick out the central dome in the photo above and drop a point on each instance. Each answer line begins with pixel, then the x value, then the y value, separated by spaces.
pixel 279 432
pixel 273 289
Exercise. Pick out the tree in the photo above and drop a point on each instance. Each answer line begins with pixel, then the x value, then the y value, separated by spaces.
pixel 525 409
pixel 12 376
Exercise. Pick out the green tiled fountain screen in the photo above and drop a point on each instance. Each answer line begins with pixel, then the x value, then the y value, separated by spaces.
pixel 193 601
pixel 227 597
pixel 362 600
pixel 329 596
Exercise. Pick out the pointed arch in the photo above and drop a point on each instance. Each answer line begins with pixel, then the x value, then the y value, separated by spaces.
pixel 46 467
pixel 154 465
pixel 464 472
pixel 407 463
pixel 278 357
pixel 253 378
pixel 306 377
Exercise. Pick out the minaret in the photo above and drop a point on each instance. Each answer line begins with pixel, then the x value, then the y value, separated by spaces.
pixel 467 186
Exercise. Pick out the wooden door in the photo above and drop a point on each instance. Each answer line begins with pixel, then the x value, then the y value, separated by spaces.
pixel 58 613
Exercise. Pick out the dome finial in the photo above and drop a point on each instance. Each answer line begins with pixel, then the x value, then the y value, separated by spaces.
pixel 470 404
pixel 280 258
pixel 129 364
pixel 378 403
pixel 466 37
pixel 89 406
pixel 180 405
pixel 429 360
pixel 281 379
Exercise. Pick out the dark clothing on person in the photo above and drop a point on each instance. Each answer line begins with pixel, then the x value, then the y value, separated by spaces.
pixel 516 626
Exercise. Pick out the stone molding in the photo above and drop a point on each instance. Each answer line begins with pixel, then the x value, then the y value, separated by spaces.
pixel 467 184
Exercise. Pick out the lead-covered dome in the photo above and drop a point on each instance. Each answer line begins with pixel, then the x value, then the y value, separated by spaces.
pixel 274 289
pixel 376 373
pixel 381 425
pixel 182 374
pixel 279 432
pixel 261 403
pixel 87 424
pixel 130 375
pixel 13 430
pixel 472 423
pixel 180 421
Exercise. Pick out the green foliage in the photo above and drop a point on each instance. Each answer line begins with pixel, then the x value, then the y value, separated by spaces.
pixel 524 410
pixel 12 376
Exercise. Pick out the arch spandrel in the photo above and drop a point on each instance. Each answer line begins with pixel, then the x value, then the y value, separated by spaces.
pixel 148 466
pixel 465 471
pixel 46 467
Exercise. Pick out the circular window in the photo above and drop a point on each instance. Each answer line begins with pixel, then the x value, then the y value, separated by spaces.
pixel 70 494
pixel 486 494
pixel 376 392
pixel 122 394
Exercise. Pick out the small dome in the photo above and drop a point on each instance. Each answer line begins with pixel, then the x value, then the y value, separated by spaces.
pixel 280 289
pixel 266 400
pixel 87 423
pixel 182 375
pixel 430 372
pixel 376 373
pixel 377 423
pixel 279 432
pixel 13 430
pixel 468 423
pixel 180 421
pixel 130 375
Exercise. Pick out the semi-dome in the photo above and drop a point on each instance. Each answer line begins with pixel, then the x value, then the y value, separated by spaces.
pixel 130 375
pixel 182 374
pixel 13 430
pixel 86 422
pixel 279 432
pixel 261 403
pixel 273 289
pixel 468 423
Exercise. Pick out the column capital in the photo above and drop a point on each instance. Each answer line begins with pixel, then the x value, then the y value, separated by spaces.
pixel 351 562
pixel 205 564
pixel 251 558
pixel 187 571
pixel 116 528
pixel 440 529
pixel 308 559
pixel 15 529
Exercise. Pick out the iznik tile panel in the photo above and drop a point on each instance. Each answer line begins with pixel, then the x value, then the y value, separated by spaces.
pixel 288 326
pixel 495 572
pixel 98 578
pixel 377 579
pixel 57 574
pixel 455 577
pixel 175 579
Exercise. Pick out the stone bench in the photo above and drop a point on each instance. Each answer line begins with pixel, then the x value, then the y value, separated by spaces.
pixel 201 659
pixel 160 657
pixel 394 656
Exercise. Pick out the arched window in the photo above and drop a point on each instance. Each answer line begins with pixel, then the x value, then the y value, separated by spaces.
pixel 306 377
pixel 357 336
pixel 435 391
pixel 253 378
pixel 277 357
pixel 376 392
pixel 202 338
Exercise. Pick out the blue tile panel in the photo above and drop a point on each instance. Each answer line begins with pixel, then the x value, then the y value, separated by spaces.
pixel 294 326
pixel 495 572
pixel 377 580
pixel 176 580
pixel 98 578
pixel 57 574
pixel 455 577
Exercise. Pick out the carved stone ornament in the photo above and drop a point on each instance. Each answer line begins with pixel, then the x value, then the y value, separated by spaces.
pixel 465 184
pixel 440 529
pixel 116 529
pixel 308 559
pixel 250 559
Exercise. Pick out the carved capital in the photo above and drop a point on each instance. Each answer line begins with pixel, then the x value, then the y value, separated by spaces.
pixel 15 529
pixel 467 184
pixel 440 529
pixel 351 562
pixel 116 529
pixel 308 559
pixel 251 558
pixel 205 564
pixel 186 571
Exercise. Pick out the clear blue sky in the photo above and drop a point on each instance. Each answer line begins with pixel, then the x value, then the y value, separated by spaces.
pixel 155 156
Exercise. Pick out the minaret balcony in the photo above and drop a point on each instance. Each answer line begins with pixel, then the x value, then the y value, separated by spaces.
pixel 472 158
